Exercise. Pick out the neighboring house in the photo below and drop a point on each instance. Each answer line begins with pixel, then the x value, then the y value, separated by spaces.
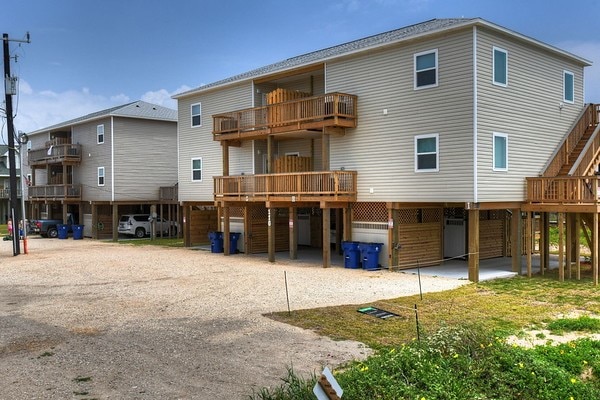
pixel 122 160
pixel 5 183
pixel 419 138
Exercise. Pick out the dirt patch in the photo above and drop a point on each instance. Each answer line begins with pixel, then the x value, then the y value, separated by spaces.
pixel 163 323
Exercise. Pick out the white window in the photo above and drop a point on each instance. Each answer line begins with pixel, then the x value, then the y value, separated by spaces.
pixel 100 134
pixel 196 114
pixel 500 67
pixel 500 152
pixel 100 176
pixel 426 153
pixel 568 87
pixel 197 169
pixel 426 69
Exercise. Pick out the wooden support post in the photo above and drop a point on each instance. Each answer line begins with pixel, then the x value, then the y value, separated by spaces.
pixel 153 216
pixel 561 247
pixel 543 240
pixel 115 222
pixel 271 232
pixel 326 237
pixel 546 265
pixel 474 245
pixel 569 253
pixel 247 229
pixel 187 225
pixel 293 228
pixel 95 221
pixel 226 231
pixel 348 223
pixel 577 229
pixel 270 149
pixel 325 152
pixel 528 243
pixel 594 249
pixel 339 228
pixel 515 240
pixel 225 148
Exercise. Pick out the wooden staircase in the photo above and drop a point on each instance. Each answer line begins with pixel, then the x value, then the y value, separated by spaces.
pixel 576 152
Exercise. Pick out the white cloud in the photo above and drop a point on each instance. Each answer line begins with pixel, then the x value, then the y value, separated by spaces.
pixel 162 97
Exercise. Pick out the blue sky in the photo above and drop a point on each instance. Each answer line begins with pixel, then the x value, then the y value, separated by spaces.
pixel 87 55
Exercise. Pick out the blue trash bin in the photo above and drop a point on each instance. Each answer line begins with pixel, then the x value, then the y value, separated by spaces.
pixel 351 254
pixel 233 241
pixel 216 242
pixel 77 232
pixel 63 231
pixel 370 255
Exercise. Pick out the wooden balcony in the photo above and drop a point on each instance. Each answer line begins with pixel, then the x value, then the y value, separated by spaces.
pixel 55 154
pixel 565 193
pixel 335 110
pixel 54 192
pixel 322 186
pixel 5 193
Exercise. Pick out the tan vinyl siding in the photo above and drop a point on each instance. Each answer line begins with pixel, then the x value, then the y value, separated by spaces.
pixel 527 110
pixel 381 148
pixel 94 155
pixel 198 141
pixel 145 158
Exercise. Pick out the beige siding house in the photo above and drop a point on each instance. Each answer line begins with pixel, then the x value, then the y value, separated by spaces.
pixel 117 161
pixel 421 139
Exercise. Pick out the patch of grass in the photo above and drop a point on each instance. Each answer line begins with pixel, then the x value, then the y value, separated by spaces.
pixel 166 242
pixel 581 324
pixel 293 387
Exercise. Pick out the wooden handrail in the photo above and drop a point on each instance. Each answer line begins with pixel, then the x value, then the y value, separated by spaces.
pixel 299 184
pixel 588 116
pixel 565 190
pixel 54 192
pixel 289 113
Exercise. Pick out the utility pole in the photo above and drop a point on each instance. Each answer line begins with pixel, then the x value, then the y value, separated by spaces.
pixel 10 90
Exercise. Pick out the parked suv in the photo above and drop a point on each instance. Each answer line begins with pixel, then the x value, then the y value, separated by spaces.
pixel 140 225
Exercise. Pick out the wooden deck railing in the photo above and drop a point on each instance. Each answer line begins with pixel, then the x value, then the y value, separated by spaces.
pixel 5 193
pixel 563 190
pixel 55 154
pixel 332 109
pixel 63 192
pixel 586 162
pixel 299 186
pixel 589 116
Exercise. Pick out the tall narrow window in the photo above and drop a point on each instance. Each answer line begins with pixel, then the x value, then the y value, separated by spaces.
pixel 500 67
pixel 197 114
pixel 100 134
pixel 426 153
pixel 197 169
pixel 500 152
pixel 100 176
pixel 569 87
pixel 426 69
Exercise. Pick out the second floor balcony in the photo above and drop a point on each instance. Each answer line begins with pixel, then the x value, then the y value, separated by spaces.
pixel 336 110
pixel 54 192
pixel 330 186
pixel 55 154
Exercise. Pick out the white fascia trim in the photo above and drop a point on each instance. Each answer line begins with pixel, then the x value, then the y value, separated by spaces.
pixel 112 158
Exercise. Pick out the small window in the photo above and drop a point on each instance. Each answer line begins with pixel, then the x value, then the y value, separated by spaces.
pixel 197 169
pixel 100 176
pixel 100 134
pixel 426 153
pixel 197 114
pixel 569 87
pixel 500 152
pixel 500 67
pixel 426 72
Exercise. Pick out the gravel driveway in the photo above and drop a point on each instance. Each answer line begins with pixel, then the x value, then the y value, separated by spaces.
pixel 82 319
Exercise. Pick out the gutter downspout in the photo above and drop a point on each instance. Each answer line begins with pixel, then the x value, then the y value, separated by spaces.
pixel 475 134
pixel 112 158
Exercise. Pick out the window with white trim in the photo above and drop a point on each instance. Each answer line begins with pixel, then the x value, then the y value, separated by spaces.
pixel 197 169
pixel 500 66
pixel 196 110
pixel 500 152
pixel 568 87
pixel 100 176
pixel 426 153
pixel 426 69
pixel 100 134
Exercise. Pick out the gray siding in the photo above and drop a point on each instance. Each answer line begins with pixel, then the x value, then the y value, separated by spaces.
pixel 94 155
pixel 527 110
pixel 198 141
pixel 145 158
pixel 381 148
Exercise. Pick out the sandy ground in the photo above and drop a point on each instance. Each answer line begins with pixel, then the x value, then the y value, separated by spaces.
pixel 84 319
